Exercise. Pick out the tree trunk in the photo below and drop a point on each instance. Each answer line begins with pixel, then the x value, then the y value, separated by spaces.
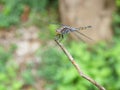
pixel 97 13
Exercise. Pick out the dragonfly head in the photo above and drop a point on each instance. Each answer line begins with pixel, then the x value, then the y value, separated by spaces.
pixel 58 32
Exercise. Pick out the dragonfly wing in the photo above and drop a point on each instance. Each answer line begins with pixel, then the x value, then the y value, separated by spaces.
pixel 78 36
pixel 84 35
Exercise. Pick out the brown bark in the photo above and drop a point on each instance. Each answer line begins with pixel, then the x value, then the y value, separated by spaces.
pixel 97 13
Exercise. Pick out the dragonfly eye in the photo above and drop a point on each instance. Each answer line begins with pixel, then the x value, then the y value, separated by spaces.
pixel 57 32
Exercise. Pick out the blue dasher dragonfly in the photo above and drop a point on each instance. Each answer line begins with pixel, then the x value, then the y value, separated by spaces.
pixel 64 29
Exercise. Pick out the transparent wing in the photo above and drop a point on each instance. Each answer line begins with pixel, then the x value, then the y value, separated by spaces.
pixel 78 36
pixel 84 35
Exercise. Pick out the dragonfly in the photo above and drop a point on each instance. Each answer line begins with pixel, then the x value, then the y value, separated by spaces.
pixel 62 31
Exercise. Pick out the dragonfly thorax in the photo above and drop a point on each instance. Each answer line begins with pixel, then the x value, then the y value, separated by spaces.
pixel 65 30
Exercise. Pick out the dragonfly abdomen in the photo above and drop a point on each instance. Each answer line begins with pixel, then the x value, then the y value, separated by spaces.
pixel 83 28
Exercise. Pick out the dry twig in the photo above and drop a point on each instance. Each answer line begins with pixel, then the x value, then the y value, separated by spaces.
pixel 77 67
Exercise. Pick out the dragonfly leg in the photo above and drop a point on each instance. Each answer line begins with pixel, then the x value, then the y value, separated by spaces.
pixel 61 38
pixel 57 37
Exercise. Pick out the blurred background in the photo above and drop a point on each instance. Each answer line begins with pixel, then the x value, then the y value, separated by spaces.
pixel 31 60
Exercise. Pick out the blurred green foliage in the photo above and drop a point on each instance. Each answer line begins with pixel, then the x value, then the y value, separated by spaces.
pixel 10 13
pixel 101 62
pixel 8 70
pixel 28 76
pixel 116 19
pixel 49 32
pixel 12 10
pixel 117 3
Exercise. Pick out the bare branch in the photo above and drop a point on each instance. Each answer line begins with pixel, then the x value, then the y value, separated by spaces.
pixel 78 68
